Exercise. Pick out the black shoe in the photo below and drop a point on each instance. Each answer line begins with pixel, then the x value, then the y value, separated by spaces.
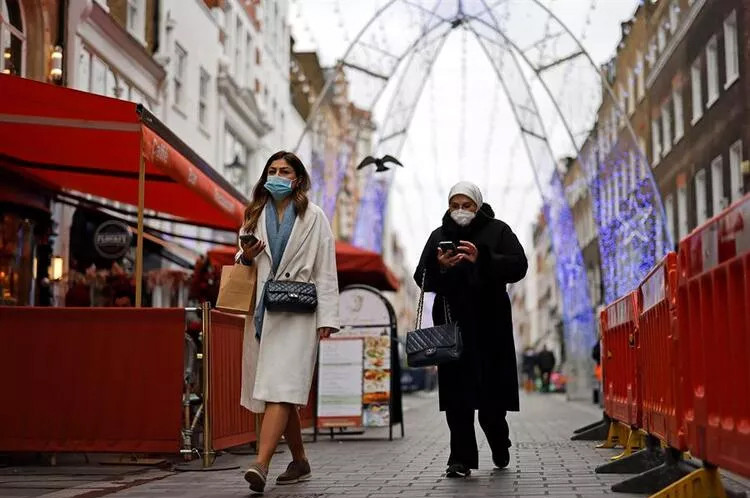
pixel 256 476
pixel 457 470
pixel 501 459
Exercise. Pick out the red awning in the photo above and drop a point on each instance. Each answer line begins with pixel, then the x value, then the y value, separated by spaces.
pixel 355 266
pixel 359 266
pixel 71 140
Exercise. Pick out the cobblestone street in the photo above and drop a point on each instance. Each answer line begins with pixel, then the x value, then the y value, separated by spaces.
pixel 544 463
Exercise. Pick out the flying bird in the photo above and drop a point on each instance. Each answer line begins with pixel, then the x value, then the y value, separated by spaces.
pixel 380 165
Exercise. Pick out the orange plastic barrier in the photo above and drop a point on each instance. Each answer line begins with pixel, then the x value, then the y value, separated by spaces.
pixel 91 379
pixel 714 321
pixel 663 391
pixel 619 360
pixel 231 424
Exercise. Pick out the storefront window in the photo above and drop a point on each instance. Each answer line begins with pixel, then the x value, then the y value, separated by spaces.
pixel 12 37
pixel 16 260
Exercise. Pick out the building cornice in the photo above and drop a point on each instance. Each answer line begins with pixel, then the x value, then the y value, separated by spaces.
pixel 126 55
pixel 243 102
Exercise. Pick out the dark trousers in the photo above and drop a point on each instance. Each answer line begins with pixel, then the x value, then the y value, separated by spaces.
pixel 464 440
pixel 546 377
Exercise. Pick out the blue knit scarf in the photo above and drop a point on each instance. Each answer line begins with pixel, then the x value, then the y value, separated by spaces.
pixel 278 238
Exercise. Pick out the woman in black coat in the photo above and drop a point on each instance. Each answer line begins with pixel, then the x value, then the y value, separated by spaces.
pixel 473 282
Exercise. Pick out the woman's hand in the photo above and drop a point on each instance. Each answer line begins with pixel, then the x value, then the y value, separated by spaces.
pixel 250 251
pixel 325 332
pixel 468 251
pixel 448 259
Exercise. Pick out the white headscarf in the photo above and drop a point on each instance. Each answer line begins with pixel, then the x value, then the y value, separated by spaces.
pixel 468 189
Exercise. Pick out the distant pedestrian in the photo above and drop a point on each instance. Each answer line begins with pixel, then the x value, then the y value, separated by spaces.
pixel 471 277
pixel 292 242
pixel 529 369
pixel 546 361
pixel 596 355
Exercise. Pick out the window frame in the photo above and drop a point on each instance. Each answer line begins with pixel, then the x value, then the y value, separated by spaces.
pixel 712 72
pixel 180 75
pixel 656 135
pixel 674 16
pixel 700 183
pixel 14 32
pixel 661 36
pixel 696 90
pixel 641 76
pixel 204 81
pixel 683 223
pixel 666 127
pixel 669 212
pixel 678 105
pixel 239 39
pixel 731 59
pixel 137 26
pixel 737 188
pixel 718 198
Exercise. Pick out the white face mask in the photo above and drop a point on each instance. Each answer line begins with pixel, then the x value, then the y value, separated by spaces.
pixel 462 217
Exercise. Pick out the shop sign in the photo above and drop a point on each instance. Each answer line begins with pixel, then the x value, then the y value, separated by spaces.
pixel 112 239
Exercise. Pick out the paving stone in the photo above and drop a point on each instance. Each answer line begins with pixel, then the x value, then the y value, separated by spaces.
pixel 544 463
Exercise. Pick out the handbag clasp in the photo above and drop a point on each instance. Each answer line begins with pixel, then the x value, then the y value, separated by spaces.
pixel 430 351
pixel 293 295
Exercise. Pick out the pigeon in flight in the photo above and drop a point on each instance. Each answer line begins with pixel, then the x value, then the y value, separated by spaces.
pixel 380 165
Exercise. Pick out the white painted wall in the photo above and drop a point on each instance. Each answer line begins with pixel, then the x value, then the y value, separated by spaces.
pixel 275 98
pixel 189 26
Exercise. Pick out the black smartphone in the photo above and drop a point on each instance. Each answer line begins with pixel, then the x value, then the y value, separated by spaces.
pixel 447 246
pixel 248 239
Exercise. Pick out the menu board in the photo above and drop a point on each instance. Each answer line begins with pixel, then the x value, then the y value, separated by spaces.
pixel 366 315
pixel 340 382
pixel 377 381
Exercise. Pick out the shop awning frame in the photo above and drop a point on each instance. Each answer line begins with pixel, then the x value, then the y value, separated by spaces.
pixel 81 142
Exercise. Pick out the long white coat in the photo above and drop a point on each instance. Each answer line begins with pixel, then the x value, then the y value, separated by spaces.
pixel 280 367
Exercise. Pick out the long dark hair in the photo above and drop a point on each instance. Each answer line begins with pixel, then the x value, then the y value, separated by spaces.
pixel 261 196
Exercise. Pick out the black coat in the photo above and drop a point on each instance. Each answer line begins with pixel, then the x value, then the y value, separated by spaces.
pixel 486 375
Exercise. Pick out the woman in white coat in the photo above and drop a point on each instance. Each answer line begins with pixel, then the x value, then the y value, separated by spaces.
pixel 294 243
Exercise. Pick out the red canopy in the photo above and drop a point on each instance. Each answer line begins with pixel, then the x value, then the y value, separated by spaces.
pixel 80 141
pixel 354 265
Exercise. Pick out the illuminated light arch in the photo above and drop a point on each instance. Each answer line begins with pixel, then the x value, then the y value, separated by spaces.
pixel 546 74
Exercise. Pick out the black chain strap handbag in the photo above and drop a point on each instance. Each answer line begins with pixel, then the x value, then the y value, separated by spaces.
pixel 435 345
pixel 291 297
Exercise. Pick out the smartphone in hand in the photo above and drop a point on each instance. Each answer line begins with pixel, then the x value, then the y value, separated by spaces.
pixel 447 246
pixel 248 239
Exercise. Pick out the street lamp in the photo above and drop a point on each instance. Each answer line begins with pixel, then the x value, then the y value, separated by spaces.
pixel 236 172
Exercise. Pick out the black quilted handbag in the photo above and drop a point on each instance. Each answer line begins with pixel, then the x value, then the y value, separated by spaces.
pixel 434 345
pixel 291 297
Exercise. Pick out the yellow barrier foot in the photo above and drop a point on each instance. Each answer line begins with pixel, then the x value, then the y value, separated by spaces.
pixel 672 470
pixel 635 442
pixel 641 461
pixel 702 483
pixel 617 436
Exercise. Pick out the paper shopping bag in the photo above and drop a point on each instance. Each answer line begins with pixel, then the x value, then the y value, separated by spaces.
pixel 237 289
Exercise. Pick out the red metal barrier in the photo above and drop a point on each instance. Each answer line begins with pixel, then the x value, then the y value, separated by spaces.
pixel 714 321
pixel 91 379
pixel 660 355
pixel 231 424
pixel 619 360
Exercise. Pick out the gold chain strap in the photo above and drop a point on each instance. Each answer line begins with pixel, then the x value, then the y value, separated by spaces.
pixel 420 306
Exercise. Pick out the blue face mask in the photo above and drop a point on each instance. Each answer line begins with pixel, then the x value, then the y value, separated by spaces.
pixel 279 187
